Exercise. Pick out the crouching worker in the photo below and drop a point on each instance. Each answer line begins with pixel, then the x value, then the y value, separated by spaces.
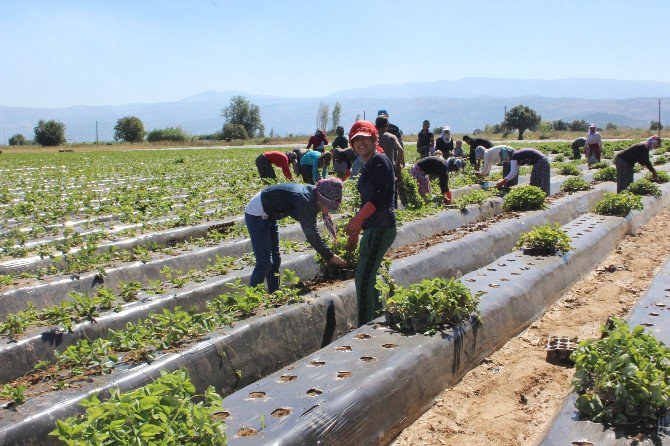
pixel 492 156
pixel 311 162
pixel 299 201
pixel 343 159
pixel 626 159
pixel 376 218
pixel 265 161
pixel 539 176
pixel 436 166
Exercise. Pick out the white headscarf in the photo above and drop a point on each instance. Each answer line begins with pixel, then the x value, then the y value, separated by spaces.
pixel 446 134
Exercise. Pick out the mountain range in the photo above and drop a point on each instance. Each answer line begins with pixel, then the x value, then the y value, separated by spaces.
pixel 463 104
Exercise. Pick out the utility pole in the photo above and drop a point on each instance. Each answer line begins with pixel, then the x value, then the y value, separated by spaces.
pixel 660 126
pixel 363 115
pixel 96 133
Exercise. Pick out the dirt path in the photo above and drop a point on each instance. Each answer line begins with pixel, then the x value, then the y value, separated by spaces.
pixel 511 397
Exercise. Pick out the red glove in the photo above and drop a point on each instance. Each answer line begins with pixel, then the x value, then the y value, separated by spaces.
pixel 502 183
pixel 447 197
pixel 355 224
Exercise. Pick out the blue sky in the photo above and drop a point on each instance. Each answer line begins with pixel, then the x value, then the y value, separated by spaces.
pixel 58 53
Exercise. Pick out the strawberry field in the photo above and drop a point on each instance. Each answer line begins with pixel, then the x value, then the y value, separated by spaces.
pixel 122 277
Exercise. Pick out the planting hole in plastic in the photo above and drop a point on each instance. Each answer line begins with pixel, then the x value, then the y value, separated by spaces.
pixel 368 358
pixel 362 336
pixel 389 346
pixel 316 363
pixel 343 375
pixel 287 378
pixel 470 280
pixel 221 416
pixel 257 395
pixel 246 432
pixel 314 392
pixel 343 348
pixel 281 412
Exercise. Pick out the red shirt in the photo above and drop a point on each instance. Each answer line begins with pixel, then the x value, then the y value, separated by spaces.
pixel 279 159
pixel 315 141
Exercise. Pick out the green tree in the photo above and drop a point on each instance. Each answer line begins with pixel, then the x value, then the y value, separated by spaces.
pixel 560 125
pixel 579 125
pixel 522 118
pixel 234 131
pixel 242 112
pixel 129 129
pixel 656 125
pixel 18 140
pixel 168 134
pixel 322 116
pixel 611 126
pixel 50 133
pixel 337 115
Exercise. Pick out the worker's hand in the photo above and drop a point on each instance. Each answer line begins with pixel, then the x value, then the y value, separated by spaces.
pixel 501 183
pixel 354 226
pixel 654 177
pixel 447 198
pixel 352 241
pixel 337 261
pixel 480 176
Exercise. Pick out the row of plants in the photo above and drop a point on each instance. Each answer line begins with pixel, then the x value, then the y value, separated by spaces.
pixel 146 339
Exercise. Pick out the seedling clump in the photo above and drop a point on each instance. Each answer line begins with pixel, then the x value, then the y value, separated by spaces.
pixel 163 412
pixel 569 169
pixel 429 303
pixel 645 187
pixel 575 184
pixel 525 198
pixel 623 377
pixel 605 174
pixel 663 177
pixel 619 204
pixel 545 237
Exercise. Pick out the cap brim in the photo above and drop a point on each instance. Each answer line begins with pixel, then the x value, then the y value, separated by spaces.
pixel 369 135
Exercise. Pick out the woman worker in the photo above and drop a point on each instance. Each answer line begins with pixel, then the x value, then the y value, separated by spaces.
pixel 376 218
pixel 637 153
pixel 436 166
pixel 310 163
pixel 492 156
pixel 264 163
pixel 299 201
pixel 539 176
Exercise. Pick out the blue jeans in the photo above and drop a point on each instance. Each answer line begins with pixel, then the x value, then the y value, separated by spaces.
pixel 264 234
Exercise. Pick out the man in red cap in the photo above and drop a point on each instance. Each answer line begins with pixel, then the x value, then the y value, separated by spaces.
pixel 376 218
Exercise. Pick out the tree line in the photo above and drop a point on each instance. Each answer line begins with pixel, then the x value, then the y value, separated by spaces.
pixel 242 120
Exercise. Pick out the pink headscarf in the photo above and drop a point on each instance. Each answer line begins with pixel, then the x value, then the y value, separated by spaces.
pixel 653 142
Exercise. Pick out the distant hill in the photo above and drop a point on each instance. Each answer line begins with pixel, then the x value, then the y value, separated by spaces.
pixel 464 105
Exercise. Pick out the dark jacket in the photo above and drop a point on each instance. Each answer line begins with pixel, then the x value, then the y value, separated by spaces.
pixel 637 153
pixel 299 202
pixel 445 147
pixel 376 184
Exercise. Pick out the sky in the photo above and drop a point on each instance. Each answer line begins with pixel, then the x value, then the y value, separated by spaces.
pixel 59 53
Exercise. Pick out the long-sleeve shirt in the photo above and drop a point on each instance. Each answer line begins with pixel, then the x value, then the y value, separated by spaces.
pixel 474 143
pixel 391 146
pixel 594 138
pixel 637 153
pixel 311 158
pixel 495 155
pixel 424 138
pixel 344 155
pixel 317 142
pixel 376 184
pixel 340 141
pixel 299 202
pixel 578 143
pixel 523 157
pixel 280 160
pixel 436 166
pixel 445 147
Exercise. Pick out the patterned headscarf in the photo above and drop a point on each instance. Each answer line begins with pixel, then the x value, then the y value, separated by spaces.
pixel 479 152
pixel 653 142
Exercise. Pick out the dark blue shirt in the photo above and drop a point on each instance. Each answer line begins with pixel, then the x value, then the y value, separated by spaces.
pixel 527 157
pixel 299 202
pixel 376 184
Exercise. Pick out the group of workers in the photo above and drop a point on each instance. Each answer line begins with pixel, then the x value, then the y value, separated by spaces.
pixel 376 158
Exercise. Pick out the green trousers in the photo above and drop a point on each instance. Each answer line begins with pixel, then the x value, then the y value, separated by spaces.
pixel 374 244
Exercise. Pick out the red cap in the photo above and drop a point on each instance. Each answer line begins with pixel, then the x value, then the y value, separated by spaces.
pixel 363 128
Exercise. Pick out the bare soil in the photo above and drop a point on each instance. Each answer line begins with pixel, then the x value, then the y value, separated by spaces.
pixel 511 397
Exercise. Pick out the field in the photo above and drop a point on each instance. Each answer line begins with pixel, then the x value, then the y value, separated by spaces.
pixel 120 266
